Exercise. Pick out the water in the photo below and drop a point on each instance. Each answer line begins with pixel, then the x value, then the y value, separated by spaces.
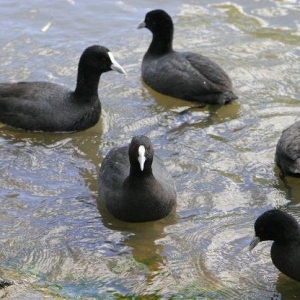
pixel 222 159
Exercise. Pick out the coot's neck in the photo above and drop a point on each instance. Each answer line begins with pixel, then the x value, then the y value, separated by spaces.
pixel 162 41
pixel 135 171
pixel 87 82
pixel 293 234
pixel 296 235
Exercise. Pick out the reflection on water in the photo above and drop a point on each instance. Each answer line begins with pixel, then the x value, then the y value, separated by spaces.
pixel 211 114
pixel 290 186
pixel 221 158
pixel 287 288
pixel 142 237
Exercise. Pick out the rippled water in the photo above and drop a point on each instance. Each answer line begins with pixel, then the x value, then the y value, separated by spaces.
pixel 222 158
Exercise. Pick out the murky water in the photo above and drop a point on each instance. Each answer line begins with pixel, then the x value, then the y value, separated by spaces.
pixel 222 158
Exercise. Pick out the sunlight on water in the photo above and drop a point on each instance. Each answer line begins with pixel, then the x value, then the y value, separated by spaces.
pixel 57 241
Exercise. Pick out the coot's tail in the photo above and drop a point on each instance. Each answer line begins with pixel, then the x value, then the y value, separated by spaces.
pixel 226 97
pixel 231 96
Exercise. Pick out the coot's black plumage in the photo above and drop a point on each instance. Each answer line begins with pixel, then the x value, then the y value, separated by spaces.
pixel 287 154
pixel 134 185
pixel 45 106
pixel 184 75
pixel 284 230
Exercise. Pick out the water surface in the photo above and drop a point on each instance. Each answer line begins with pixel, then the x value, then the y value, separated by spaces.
pixel 221 158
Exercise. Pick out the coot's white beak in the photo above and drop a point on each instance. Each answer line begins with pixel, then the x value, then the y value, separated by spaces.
pixel 254 242
pixel 114 65
pixel 141 157
pixel 141 25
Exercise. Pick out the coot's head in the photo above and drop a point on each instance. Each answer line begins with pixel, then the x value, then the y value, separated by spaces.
pixel 99 59
pixel 275 225
pixel 157 21
pixel 141 153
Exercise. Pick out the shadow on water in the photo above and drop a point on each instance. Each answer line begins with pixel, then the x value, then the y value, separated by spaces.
pixel 85 144
pixel 142 238
pixel 288 288
pixel 289 186
pixel 191 113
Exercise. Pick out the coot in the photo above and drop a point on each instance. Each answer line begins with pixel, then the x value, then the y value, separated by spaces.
pixel 134 185
pixel 283 229
pixel 45 106
pixel 287 154
pixel 184 75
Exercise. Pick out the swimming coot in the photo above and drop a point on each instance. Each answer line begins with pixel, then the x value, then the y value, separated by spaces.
pixel 184 75
pixel 283 229
pixel 287 154
pixel 45 106
pixel 134 184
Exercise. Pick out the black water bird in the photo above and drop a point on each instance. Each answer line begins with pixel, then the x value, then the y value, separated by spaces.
pixel 280 227
pixel 184 75
pixel 46 106
pixel 287 154
pixel 134 184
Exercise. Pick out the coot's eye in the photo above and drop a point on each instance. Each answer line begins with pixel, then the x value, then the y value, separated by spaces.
pixel 148 148
pixel 104 59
